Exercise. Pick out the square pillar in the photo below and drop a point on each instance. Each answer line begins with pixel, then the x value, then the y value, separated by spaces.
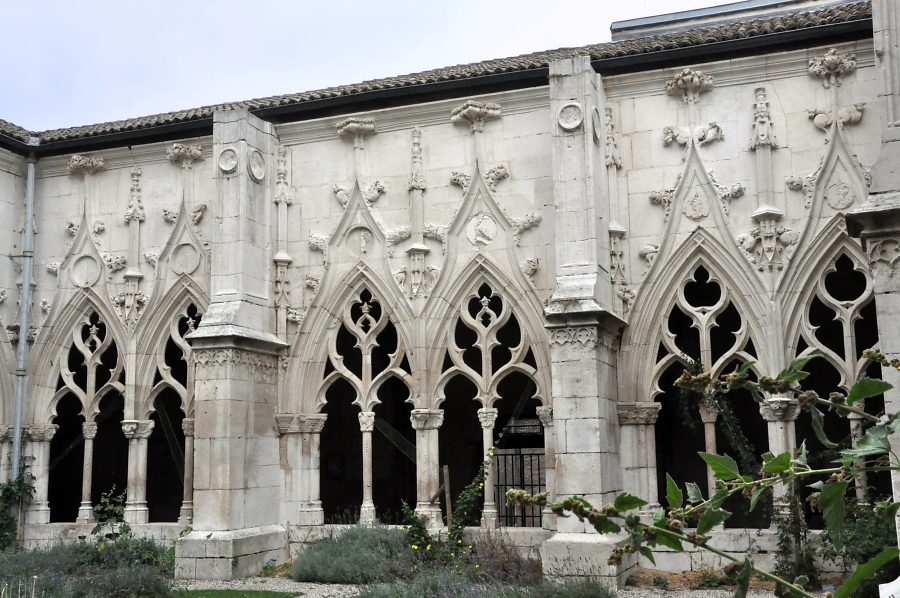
pixel 426 423
pixel 637 447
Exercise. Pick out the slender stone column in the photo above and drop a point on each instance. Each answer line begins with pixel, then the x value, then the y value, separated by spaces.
pixel 488 416
pixel 86 509
pixel 40 437
pixel 545 414
pixel 426 423
pixel 638 449
pixel 5 437
pixel 860 483
pixel 708 415
pixel 780 412
pixel 366 425
pixel 311 426
pixel 137 432
pixel 186 514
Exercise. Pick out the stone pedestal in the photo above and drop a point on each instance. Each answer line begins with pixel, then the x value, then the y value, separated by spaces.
pixel 137 432
pixel 426 423
pixel 39 437
pixel 236 357
pixel 637 448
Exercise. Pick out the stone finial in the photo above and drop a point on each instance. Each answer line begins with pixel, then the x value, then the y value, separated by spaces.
pixel 762 122
pixel 79 164
pixel 475 113
pixel 417 174
pixel 613 158
pixel 185 154
pixel 831 67
pixel 488 417
pixel 689 84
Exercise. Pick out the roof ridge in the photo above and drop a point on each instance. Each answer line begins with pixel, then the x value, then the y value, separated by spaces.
pixel 719 32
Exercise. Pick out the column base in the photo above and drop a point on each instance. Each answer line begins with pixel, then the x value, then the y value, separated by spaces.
pixel 38 512
pixel 432 515
pixel 367 514
pixel 548 519
pixel 85 513
pixel 229 554
pixel 186 513
pixel 311 513
pixel 489 517
pixel 577 555
pixel 137 513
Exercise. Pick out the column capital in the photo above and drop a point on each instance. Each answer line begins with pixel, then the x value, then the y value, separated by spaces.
pixel 545 414
pixel 312 423
pixel 187 426
pixel 427 419
pixel 287 423
pixel 643 413
pixel 366 421
pixel 89 430
pixel 5 433
pixel 137 428
pixel 488 417
pixel 708 412
pixel 780 409
pixel 41 432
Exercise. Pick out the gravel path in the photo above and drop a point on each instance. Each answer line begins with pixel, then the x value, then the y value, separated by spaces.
pixel 272 584
pixel 632 592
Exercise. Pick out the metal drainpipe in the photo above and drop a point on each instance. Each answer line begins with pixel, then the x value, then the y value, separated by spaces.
pixel 24 308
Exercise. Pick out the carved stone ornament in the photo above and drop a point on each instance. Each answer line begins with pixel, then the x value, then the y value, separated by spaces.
pixel 283 193
pixel 780 409
pixel 372 192
pixel 638 414
pixel 839 195
pixel 41 433
pixel 767 246
pixel 703 134
pixel 79 164
pixel 522 223
pixel 586 337
pixel 187 426
pixel 846 115
pixel 695 206
pixel 461 180
pixel 884 254
pixel 495 175
pixel 545 414
pixel 89 430
pixel 427 419
pixel 613 158
pixel 416 174
pixel 135 209
pixel 312 423
pixel 256 166
pixel 2 295
pixel 832 66
pixel 530 268
pixel 185 154
pixel 228 160
pixel 355 127
pixel 481 230
pixel 762 122
pixel 570 116
pixel 132 428
pixel 689 84
pixel 487 416
pixel 366 420
pixel 475 113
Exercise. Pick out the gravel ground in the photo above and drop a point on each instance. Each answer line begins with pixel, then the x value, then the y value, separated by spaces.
pixel 632 592
pixel 273 584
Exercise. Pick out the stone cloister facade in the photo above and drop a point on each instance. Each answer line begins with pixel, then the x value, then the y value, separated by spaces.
pixel 258 323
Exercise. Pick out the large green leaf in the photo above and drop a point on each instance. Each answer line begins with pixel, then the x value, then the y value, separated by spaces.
pixel 627 502
pixel 831 502
pixel 673 493
pixel 865 388
pixel 818 424
pixel 723 466
pixel 711 518
pixel 648 554
pixel 794 372
pixel 605 525
pixel 866 571
pixel 755 495
pixel 874 442
pixel 671 542
pixel 777 464
pixel 742 581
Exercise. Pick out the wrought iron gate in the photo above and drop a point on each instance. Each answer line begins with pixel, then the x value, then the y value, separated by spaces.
pixel 519 468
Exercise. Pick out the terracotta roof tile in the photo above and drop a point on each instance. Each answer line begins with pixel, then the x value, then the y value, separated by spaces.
pixel 843 13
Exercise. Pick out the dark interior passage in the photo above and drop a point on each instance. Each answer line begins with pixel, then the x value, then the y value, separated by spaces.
pixel 165 459
pixel 110 471
pixel 341 456
pixel 393 453
pixel 66 461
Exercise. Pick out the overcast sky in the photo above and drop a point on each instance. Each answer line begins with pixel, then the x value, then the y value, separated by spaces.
pixel 70 62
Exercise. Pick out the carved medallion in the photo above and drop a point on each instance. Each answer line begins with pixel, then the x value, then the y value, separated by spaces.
pixel 85 271
pixel 185 259
pixel 570 116
pixel 228 161
pixel 256 166
pixel 839 196
pixel 481 230
pixel 696 207
pixel 359 242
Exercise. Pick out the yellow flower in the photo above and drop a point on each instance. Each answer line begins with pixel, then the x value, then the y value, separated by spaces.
pixel 481 485
pixel 452 554
pixel 477 566
pixel 459 541
pixel 414 547
pixel 428 547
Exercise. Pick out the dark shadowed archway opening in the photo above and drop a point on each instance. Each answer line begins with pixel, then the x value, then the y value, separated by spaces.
pixel 66 461
pixel 341 456
pixel 459 437
pixel 393 453
pixel 165 459
pixel 110 471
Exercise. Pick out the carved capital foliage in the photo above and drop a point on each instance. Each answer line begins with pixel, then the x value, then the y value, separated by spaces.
pixel 184 154
pixel 187 426
pixel 689 84
pixel 779 409
pixel 832 66
pixel 41 433
pixel 475 114
pixel 136 428
pixel 89 430
pixel 235 363
pixel 366 420
pixel 584 336
pixel 635 414
pixel 427 419
pixel 545 414
pixel 708 412
pixel 79 164
pixel 311 424
pixel 488 417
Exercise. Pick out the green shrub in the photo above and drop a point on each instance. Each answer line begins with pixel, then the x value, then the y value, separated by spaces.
pixel 442 582
pixel 660 581
pixel 359 555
